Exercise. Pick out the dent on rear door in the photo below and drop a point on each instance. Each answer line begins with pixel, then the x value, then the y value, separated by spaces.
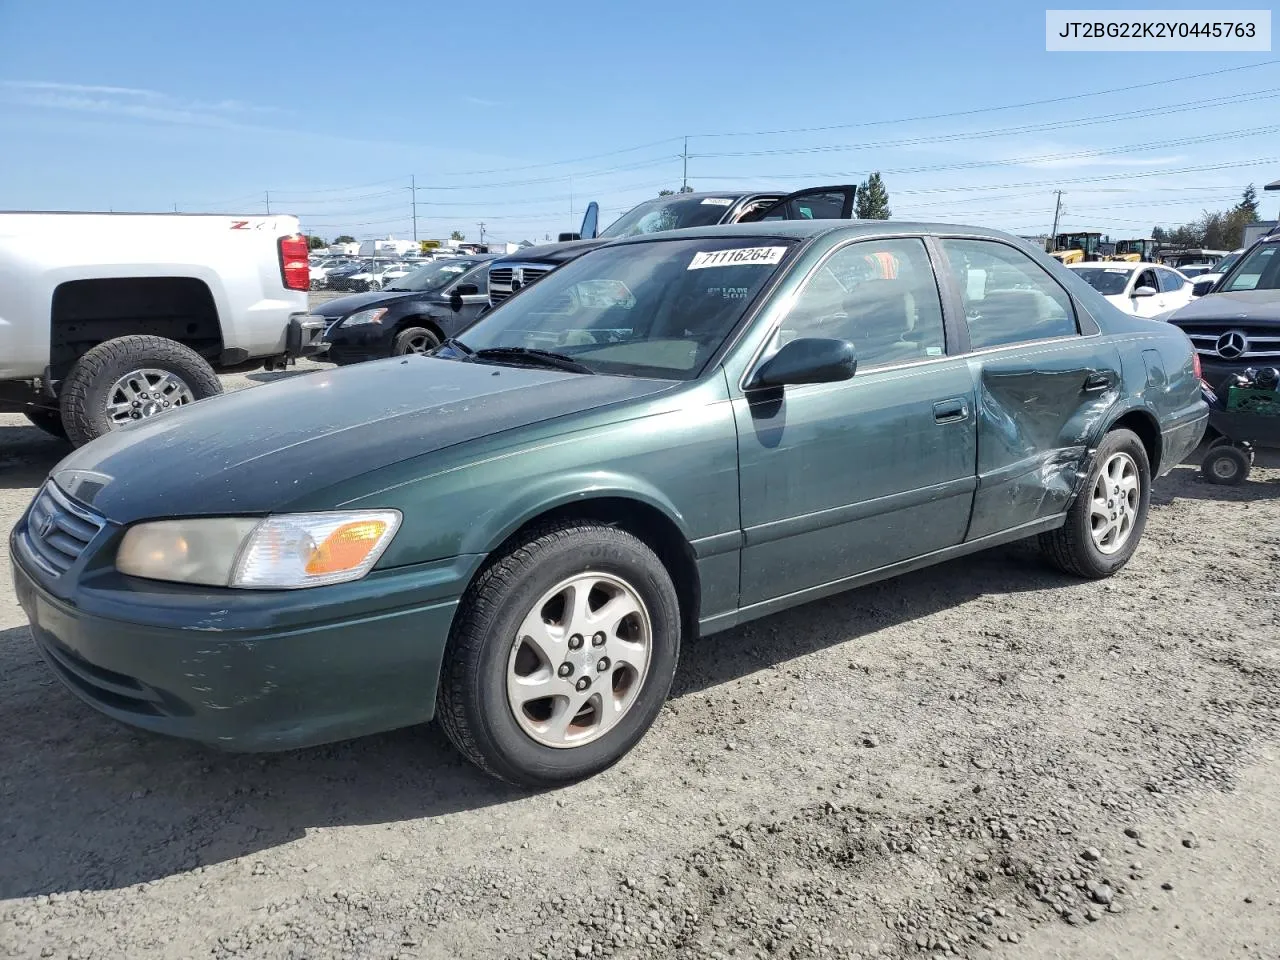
pixel 1037 413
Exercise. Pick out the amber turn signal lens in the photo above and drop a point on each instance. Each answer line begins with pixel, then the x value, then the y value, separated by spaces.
pixel 347 547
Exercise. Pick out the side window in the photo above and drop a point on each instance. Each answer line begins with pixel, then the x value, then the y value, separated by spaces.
pixel 480 277
pixel 1008 297
pixel 1147 279
pixel 1170 282
pixel 881 295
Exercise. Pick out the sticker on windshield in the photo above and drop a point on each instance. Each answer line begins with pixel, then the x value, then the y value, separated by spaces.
pixel 717 201
pixel 1114 270
pixel 737 257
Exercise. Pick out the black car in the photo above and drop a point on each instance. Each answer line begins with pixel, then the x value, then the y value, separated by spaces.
pixel 1237 326
pixel 413 315
pixel 678 211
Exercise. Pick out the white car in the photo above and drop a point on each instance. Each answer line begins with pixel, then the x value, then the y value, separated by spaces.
pixel 1142 289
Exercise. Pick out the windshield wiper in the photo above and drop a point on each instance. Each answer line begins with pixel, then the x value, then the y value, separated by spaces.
pixel 397 289
pixel 546 358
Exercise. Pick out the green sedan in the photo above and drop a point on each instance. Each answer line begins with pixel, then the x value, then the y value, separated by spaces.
pixel 666 437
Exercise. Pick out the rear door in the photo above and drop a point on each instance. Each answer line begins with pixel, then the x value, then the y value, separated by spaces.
pixel 817 203
pixel 1175 289
pixel 1044 378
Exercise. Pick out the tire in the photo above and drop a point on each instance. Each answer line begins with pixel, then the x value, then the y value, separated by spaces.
pixel 485 651
pixel 1073 547
pixel 410 339
pixel 1226 465
pixel 50 421
pixel 86 392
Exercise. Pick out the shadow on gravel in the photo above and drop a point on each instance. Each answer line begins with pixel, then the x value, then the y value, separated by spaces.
pixel 27 454
pixel 86 803
pixel 1185 482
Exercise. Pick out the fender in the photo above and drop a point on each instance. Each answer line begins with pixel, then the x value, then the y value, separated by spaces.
pixel 564 489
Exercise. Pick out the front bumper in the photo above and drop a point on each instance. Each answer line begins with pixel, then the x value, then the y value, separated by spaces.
pixel 247 670
pixel 365 341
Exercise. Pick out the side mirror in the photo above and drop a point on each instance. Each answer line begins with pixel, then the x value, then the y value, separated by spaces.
pixel 1143 292
pixel 1202 287
pixel 460 291
pixel 566 237
pixel 806 360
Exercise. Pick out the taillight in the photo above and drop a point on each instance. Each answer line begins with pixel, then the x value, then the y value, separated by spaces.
pixel 1195 364
pixel 295 268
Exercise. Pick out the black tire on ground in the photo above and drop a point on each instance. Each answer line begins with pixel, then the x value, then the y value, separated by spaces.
pixel 50 421
pixel 84 391
pixel 1225 465
pixel 472 704
pixel 1071 547
pixel 411 337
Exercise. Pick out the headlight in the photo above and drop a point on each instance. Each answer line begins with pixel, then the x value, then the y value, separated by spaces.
pixel 283 552
pixel 365 316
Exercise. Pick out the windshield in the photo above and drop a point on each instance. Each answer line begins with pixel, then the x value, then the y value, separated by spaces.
pixel 1108 281
pixel 669 213
pixel 1226 263
pixel 434 276
pixel 656 309
pixel 1258 270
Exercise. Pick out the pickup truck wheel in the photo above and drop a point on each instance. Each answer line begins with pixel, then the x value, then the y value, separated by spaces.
pixel 132 378
pixel 1106 520
pixel 50 421
pixel 415 340
pixel 561 655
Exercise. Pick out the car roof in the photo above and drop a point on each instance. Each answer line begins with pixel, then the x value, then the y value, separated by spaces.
pixel 1119 265
pixel 807 229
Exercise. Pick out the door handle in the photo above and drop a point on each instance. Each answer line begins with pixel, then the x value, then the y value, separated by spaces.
pixel 1095 382
pixel 949 411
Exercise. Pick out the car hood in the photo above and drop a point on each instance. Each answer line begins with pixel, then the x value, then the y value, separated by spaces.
pixel 364 301
pixel 551 252
pixel 1241 306
pixel 258 450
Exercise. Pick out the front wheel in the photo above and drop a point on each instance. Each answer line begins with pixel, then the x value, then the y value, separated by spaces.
pixel 1225 465
pixel 1105 522
pixel 414 340
pixel 132 378
pixel 561 655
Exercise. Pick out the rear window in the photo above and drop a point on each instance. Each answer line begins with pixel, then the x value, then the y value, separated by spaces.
pixel 670 213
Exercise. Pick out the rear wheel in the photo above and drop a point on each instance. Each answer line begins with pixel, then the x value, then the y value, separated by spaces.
pixel 132 378
pixel 1105 522
pixel 415 340
pixel 561 655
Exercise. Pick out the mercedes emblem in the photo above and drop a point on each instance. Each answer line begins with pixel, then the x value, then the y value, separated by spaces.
pixel 1232 344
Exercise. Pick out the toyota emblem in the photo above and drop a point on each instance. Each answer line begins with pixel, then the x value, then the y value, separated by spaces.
pixel 1232 344
pixel 46 527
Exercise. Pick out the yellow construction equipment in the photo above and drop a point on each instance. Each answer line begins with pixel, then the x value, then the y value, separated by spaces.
pixel 1075 247
pixel 1135 251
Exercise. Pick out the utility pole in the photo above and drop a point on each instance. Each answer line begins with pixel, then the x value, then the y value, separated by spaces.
pixel 571 198
pixel 1057 211
pixel 481 226
pixel 268 203
pixel 684 176
pixel 175 207
pixel 413 192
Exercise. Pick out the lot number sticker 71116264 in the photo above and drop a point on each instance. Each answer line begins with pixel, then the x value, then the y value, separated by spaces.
pixel 736 257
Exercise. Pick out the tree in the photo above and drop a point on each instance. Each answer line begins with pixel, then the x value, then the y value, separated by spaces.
pixel 671 193
pixel 458 235
pixel 345 238
pixel 1248 205
pixel 315 243
pixel 666 193
pixel 872 200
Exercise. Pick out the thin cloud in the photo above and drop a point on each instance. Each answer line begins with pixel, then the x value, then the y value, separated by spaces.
pixel 138 104
pixel 481 101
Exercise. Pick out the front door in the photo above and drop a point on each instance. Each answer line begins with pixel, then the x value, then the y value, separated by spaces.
pixel 1148 306
pixel 841 478
pixel 1044 377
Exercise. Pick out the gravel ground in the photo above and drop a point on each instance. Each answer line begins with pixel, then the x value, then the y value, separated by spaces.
pixel 984 756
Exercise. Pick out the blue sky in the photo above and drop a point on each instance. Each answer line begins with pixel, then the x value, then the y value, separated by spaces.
pixel 516 114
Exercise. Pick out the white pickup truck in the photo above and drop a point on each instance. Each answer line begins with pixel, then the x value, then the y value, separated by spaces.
pixel 108 318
